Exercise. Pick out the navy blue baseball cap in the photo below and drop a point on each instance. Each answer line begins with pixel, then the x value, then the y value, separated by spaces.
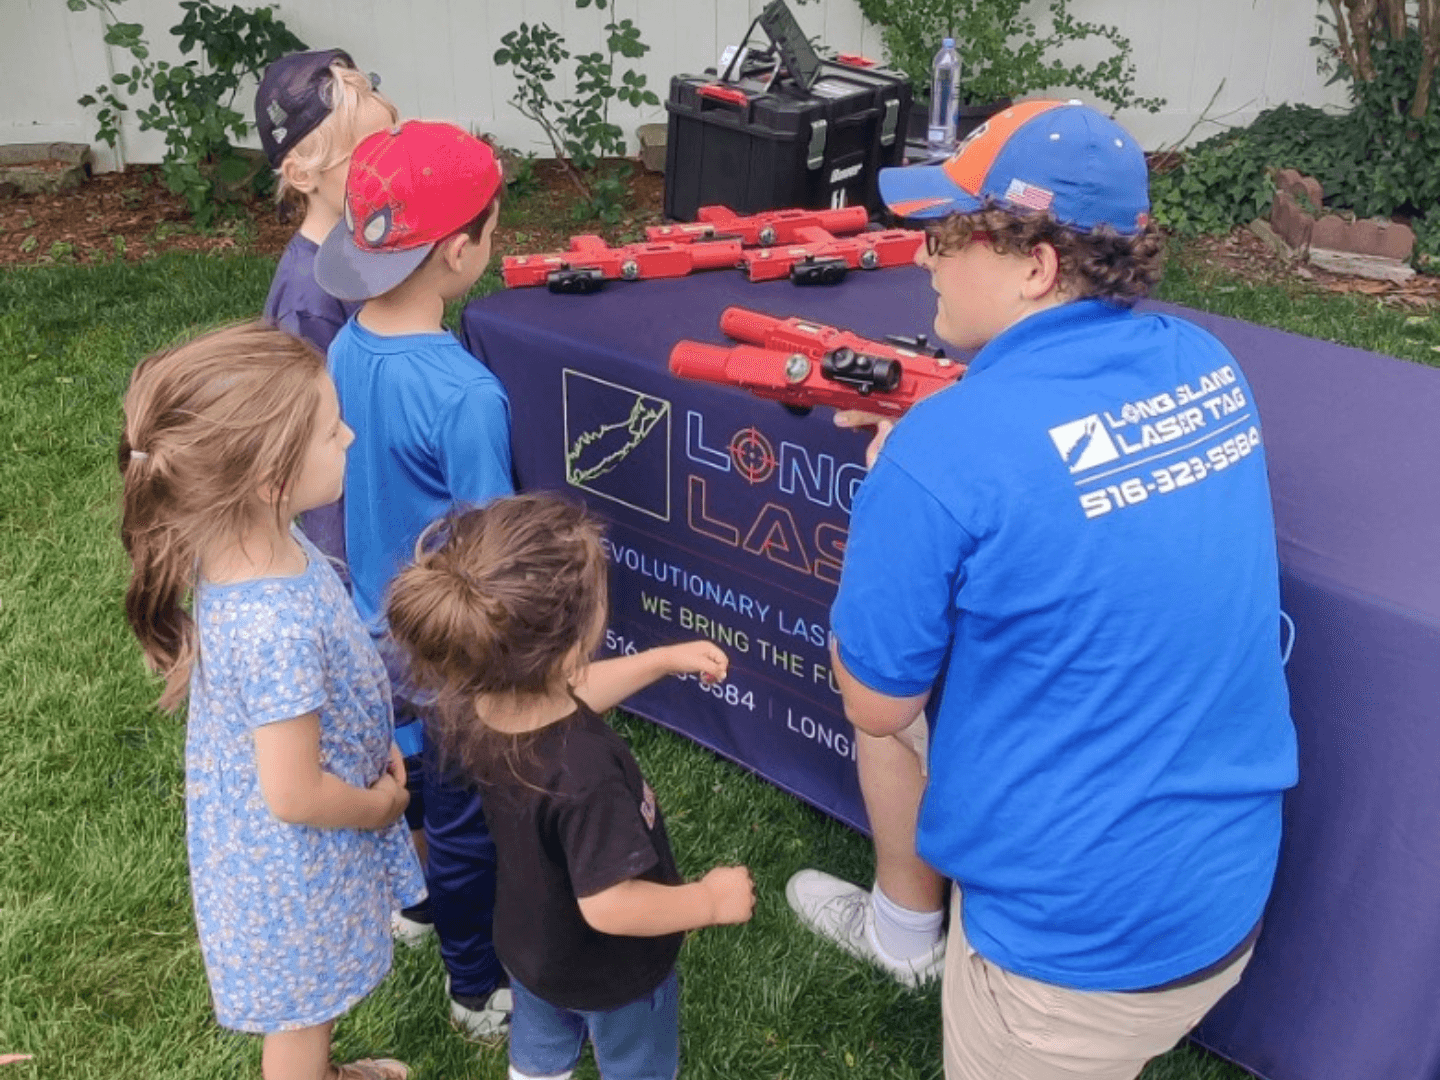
pixel 1058 157
pixel 291 100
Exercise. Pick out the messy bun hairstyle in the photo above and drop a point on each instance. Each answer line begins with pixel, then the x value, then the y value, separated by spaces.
pixel 496 601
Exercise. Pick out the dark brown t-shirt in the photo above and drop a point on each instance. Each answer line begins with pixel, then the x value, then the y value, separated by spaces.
pixel 581 820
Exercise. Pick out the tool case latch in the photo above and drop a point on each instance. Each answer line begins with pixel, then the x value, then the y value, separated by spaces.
pixel 815 156
pixel 891 122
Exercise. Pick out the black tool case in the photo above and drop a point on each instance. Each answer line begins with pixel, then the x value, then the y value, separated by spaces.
pixel 753 144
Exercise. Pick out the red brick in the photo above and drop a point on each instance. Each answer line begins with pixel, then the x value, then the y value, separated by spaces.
pixel 1293 182
pixel 1290 222
pixel 1386 239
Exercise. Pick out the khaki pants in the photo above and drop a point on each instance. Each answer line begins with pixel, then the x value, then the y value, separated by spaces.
pixel 1002 1026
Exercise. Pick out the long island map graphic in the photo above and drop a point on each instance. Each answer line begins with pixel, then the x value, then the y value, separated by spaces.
pixel 617 443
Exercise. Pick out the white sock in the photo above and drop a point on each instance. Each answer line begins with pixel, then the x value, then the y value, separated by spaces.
pixel 903 934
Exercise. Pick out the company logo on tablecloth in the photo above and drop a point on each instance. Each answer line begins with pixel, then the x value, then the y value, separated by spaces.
pixel 617 443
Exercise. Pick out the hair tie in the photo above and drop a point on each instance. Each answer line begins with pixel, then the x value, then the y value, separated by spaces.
pixel 139 455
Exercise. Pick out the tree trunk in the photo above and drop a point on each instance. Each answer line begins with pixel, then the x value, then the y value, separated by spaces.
pixel 1429 18
pixel 1342 36
pixel 1393 15
pixel 1362 20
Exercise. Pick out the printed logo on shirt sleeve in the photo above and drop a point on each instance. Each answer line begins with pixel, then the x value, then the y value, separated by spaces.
pixel 1159 445
pixel 647 806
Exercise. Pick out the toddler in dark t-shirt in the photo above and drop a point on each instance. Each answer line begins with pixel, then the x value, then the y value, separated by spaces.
pixel 499 616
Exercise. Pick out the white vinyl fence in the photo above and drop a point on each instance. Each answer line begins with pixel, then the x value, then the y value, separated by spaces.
pixel 1216 62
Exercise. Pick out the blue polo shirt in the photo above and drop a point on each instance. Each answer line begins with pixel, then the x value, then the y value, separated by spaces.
pixel 1075 546
pixel 432 431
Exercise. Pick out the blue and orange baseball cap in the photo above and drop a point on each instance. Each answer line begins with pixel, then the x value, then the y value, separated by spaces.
pixel 408 188
pixel 1060 157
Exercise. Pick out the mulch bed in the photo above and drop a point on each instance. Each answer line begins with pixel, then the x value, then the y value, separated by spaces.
pixel 1247 256
pixel 131 215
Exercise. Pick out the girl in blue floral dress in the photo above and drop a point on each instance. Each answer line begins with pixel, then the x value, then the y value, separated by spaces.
pixel 294 789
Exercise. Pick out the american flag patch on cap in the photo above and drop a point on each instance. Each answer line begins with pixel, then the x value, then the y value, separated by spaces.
pixel 1019 193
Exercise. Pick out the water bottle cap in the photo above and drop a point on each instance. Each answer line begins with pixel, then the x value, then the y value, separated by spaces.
pixel 948 43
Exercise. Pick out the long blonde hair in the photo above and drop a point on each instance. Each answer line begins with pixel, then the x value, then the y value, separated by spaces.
pixel 207 425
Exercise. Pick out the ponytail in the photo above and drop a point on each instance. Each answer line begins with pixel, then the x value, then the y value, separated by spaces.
pixel 162 575
pixel 206 426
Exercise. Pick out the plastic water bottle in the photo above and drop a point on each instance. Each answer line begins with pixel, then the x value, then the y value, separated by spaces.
pixel 944 98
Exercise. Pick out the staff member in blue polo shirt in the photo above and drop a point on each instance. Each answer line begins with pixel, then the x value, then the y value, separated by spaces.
pixel 1067 561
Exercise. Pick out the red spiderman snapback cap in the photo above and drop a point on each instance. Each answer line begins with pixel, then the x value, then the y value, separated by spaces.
pixel 408 188
pixel 1058 157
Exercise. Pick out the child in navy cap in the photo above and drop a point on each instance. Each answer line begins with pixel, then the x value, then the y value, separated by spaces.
pixel 1085 604
pixel 311 109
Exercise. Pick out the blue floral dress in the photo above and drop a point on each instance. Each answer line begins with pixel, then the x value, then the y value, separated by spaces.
pixel 294 921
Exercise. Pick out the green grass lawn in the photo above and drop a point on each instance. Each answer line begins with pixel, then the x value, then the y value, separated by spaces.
pixel 100 973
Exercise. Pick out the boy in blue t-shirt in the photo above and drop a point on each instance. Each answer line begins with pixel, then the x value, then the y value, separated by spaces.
pixel 432 431
pixel 311 109
pixel 1067 560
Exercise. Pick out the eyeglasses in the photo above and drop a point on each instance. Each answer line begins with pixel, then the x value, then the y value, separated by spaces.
pixel 935 244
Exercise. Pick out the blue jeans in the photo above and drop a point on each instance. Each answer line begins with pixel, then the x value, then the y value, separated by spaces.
pixel 638 1041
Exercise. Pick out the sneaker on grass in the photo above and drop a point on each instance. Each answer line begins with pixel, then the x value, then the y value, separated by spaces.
pixel 412 925
pixel 841 912
pixel 372 1069
pixel 481 1016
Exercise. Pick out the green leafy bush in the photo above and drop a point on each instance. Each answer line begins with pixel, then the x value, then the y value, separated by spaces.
pixel 1216 188
pixel 193 103
pixel 1427 242
pixel 578 127
pixel 1226 180
pixel 1004 51
pixel 1377 160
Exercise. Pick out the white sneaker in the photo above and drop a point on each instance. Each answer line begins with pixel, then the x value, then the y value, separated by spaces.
pixel 408 931
pixel 842 913
pixel 490 1021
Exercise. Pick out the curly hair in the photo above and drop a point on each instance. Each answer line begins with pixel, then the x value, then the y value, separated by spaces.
pixel 1103 263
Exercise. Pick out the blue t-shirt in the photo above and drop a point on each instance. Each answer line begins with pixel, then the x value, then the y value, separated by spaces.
pixel 1075 545
pixel 432 430
pixel 298 305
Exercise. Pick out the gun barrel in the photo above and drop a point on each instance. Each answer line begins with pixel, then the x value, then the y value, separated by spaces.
pixel 848 219
pixel 716 254
pixel 752 327
pixel 696 360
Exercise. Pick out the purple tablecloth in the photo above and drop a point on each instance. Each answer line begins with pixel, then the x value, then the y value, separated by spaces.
pixel 740 496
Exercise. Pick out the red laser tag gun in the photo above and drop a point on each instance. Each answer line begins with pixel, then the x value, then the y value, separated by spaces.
pixel 803 364
pixel 762 230
pixel 590 262
pixel 818 258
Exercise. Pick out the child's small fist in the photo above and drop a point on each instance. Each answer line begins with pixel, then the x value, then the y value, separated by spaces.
pixel 702 658
pixel 732 892
pixel 396 793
